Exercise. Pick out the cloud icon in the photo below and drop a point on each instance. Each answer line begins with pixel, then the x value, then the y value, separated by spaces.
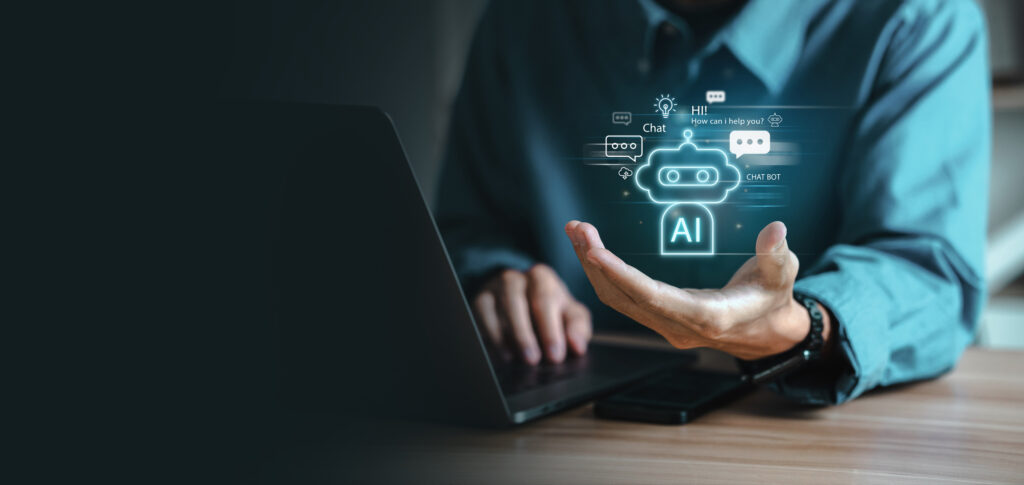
pixel 687 174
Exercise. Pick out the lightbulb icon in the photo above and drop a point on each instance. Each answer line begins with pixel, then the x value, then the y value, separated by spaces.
pixel 665 105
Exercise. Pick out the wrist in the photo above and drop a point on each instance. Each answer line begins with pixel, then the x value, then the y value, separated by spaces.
pixel 790 327
pixel 774 333
pixel 811 348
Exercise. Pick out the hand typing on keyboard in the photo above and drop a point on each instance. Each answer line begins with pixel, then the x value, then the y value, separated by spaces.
pixel 522 312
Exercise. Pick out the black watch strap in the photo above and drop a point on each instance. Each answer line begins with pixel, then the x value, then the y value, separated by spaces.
pixel 809 349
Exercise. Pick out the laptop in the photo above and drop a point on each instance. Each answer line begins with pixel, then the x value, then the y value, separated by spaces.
pixel 370 317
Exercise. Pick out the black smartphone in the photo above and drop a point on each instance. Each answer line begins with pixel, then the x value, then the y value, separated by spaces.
pixel 676 397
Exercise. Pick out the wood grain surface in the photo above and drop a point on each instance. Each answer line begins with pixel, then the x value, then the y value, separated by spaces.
pixel 966 427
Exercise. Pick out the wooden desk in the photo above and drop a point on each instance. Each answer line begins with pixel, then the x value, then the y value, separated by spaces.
pixel 965 427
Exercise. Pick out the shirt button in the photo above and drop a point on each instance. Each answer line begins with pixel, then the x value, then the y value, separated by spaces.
pixel 643 66
pixel 668 29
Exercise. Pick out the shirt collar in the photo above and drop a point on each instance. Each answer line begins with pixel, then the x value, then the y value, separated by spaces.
pixel 767 36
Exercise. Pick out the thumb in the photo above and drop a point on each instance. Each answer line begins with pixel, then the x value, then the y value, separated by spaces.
pixel 775 262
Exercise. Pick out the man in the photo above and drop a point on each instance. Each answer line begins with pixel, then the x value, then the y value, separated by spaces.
pixel 881 219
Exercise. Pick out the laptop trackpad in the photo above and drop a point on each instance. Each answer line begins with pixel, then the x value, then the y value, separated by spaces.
pixel 603 368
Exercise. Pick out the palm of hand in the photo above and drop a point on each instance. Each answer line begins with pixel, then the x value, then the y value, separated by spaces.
pixel 753 316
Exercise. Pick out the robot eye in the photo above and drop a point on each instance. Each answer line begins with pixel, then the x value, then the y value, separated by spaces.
pixel 688 176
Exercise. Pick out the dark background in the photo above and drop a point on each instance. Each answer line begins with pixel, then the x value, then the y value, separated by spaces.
pixel 404 56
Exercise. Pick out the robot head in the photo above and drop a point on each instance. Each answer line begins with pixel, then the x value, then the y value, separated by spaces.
pixel 687 174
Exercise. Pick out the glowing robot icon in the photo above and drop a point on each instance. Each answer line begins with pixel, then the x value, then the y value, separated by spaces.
pixel 687 179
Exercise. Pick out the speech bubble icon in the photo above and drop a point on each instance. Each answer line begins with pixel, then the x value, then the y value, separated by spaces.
pixel 622 118
pixel 752 142
pixel 713 97
pixel 624 146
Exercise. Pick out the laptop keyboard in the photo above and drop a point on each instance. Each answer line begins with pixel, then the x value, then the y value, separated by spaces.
pixel 517 376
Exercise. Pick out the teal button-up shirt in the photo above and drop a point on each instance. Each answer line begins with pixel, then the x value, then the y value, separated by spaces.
pixel 879 166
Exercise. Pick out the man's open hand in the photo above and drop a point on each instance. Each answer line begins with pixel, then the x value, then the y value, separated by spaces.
pixel 517 309
pixel 753 316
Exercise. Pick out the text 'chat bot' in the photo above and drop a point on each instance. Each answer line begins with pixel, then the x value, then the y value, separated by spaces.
pixel 687 179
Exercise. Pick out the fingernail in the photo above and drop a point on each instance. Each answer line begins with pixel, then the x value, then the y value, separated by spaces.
pixel 556 353
pixel 785 232
pixel 579 343
pixel 532 354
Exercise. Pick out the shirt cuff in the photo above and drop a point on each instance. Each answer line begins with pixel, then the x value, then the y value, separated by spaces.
pixel 843 375
pixel 478 264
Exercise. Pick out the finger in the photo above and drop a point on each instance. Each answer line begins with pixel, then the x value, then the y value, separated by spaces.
pixel 515 307
pixel 586 239
pixel 632 282
pixel 570 227
pixel 585 236
pixel 547 297
pixel 485 308
pixel 610 293
pixel 579 241
pixel 578 327
pixel 649 294
pixel 777 265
